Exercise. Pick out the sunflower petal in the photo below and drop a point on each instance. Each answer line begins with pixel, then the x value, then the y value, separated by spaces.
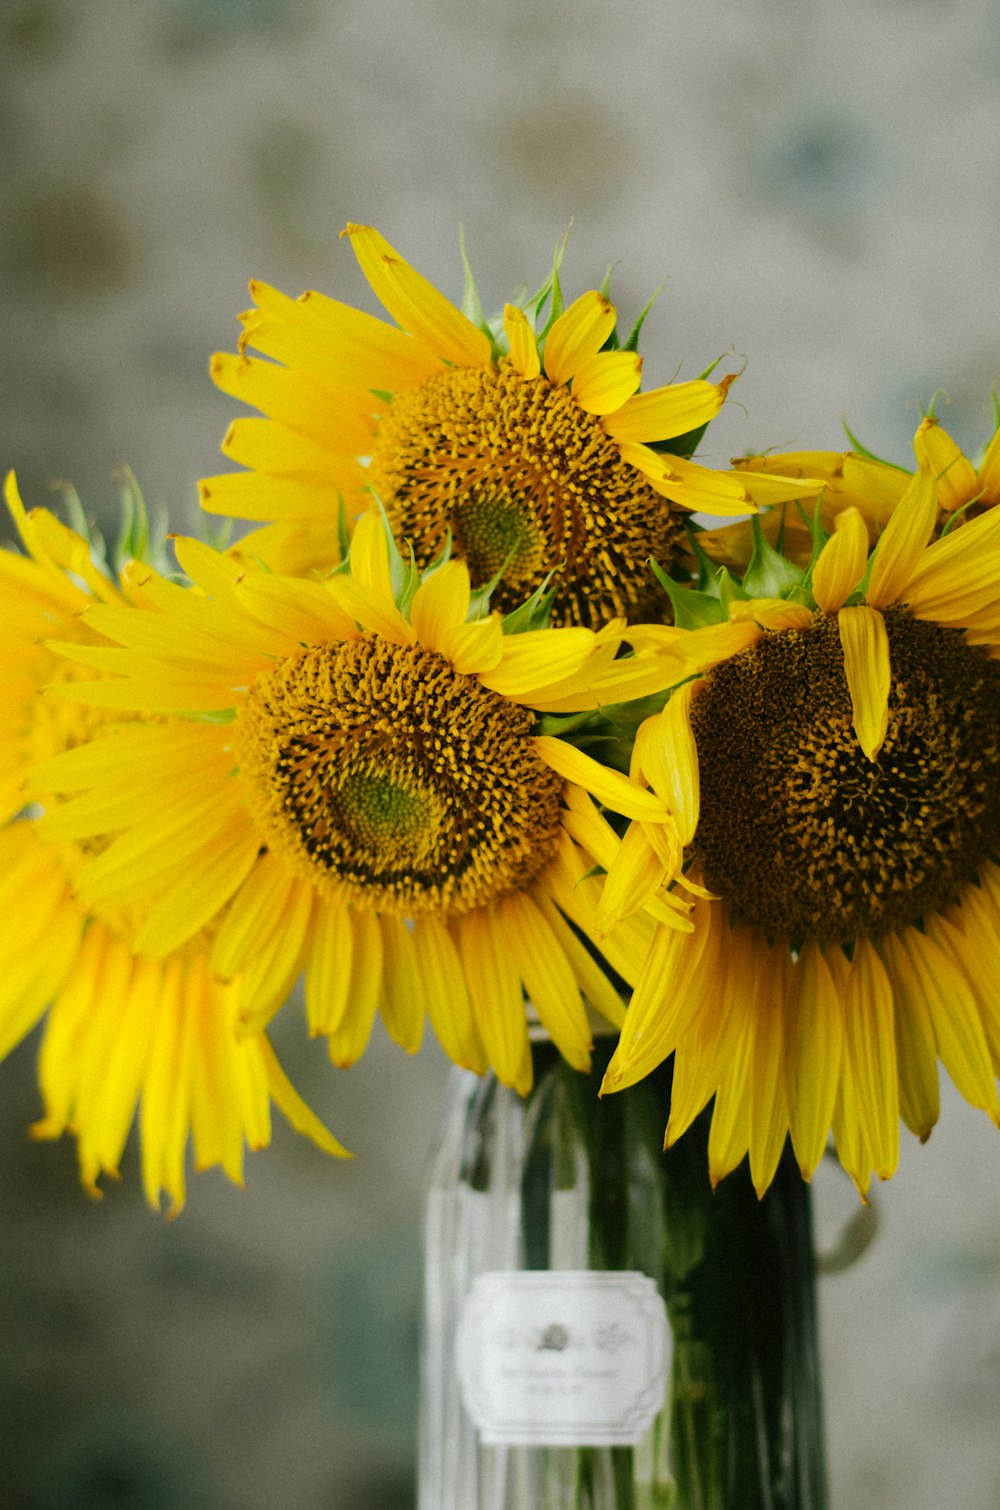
pixel 865 644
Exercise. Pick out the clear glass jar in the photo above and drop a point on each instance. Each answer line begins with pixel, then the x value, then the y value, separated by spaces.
pixel 543 1194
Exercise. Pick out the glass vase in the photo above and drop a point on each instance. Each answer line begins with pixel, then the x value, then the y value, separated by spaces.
pixel 602 1331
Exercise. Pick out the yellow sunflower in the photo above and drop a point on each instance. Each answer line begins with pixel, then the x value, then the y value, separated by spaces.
pixel 120 1030
pixel 528 444
pixel 360 793
pixel 832 761
pixel 874 487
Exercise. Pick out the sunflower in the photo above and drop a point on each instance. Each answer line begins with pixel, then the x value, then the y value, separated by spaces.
pixel 859 480
pixel 361 794
pixel 119 1030
pixel 832 761
pixel 526 443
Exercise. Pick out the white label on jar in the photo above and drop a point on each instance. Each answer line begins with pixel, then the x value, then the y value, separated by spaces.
pixel 563 1357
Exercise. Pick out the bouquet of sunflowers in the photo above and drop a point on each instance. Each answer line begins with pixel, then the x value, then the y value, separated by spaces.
pixel 481 728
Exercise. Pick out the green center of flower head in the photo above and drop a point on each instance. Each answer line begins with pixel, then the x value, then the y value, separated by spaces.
pixel 393 781
pixel 804 837
pixel 528 483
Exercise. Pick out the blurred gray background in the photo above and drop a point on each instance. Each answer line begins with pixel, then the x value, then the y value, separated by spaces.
pixel 820 187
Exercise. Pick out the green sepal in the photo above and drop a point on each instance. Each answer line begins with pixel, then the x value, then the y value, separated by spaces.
pixel 632 341
pixel 693 608
pixel 864 452
pixel 706 566
pixel 814 524
pixel 769 574
pixel 679 445
pixel 471 305
pixel 404 578
pixel 605 288
pixel 628 716
pixel 802 598
pixel 616 752
pixel 995 396
pixel 215 716
pixel 343 529
pixel 76 518
pixel 551 289
pixel 561 724
pixel 533 613
pixel 730 590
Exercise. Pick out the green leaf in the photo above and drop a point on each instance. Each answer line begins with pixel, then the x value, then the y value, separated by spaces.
pixel 769 574
pixel 692 609
pixel 560 724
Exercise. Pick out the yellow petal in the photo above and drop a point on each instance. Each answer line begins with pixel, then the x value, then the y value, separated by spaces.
pixel 348 1038
pixel 842 562
pixel 547 976
pixel 521 338
pixel 768 1107
pixel 989 472
pixel 870 1051
pixel 865 645
pixel 669 760
pixel 610 787
pixel 329 964
pixel 603 382
pixel 579 333
pixel 903 542
pixel 440 605
pixel 294 1109
pixel 814 1050
pixel 665 412
pixel 446 995
pixel 402 1004
pixel 495 987
pixel 954 474
pixel 415 304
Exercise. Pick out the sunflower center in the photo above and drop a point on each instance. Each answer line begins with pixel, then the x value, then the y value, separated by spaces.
pixel 804 837
pixel 526 482
pixel 393 781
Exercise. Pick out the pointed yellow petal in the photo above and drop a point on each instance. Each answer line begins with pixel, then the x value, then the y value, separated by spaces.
pixel 523 346
pixel 402 1004
pixel 610 787
pixel 814 1050
pixel 446 995
pixel 415 304
pixel 579 333
pixel 591 979
pixel 916 1046
pixel 949 999
pixel 955 475
pixel 495 987
pixel 329 966
pixel 865 644
pixel 669 760
pixel 870 1046
pixel 989 472
pixel 547 977
pixel 440 606
pixel 842 562
pixel 603 382
pixel 290 1103
pixel 768 1107
pixel 903 541
pixel 665 412
pixel 348 1039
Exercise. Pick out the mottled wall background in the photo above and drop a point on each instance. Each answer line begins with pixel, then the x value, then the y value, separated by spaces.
pixel 820 186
